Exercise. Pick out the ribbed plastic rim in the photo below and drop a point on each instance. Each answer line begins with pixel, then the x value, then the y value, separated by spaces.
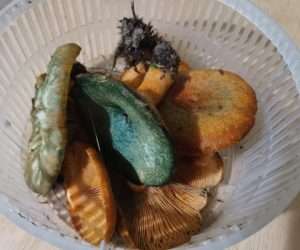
pixel 291 55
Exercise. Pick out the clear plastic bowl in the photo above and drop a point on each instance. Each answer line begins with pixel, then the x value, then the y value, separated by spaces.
pixel 263 173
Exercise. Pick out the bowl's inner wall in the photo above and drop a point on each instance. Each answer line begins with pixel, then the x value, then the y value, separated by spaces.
pixel 260 171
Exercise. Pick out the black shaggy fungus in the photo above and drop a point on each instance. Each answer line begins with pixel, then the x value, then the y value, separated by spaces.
pixel 140 43
pixel 166 56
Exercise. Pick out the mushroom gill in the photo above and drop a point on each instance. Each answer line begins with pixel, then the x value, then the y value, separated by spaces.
pixel 90 199
pixel 203 171
pixel 160 217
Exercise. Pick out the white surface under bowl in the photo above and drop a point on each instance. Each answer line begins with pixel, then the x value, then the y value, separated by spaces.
pixel 264 173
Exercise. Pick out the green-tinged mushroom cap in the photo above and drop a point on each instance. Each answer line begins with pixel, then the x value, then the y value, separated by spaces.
pixel 48 116
pixel 131 135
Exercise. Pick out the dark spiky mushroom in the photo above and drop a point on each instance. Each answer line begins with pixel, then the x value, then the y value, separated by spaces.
pixel 141 43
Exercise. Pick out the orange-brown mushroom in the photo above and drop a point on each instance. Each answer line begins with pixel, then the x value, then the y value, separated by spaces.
pixel 134 76
pixel 90 199
pixel 157 82
pixel 209 111
pixel 161 217
pixel 201 171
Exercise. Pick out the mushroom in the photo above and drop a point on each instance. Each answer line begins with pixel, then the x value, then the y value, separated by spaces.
pixel 140 44
pixel 134 76
pixel 90 199
pixel 160 217
pixel 201 171
pixel 208 111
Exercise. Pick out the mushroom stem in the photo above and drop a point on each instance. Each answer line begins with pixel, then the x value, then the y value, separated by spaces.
pixel 134 76
pixel 155 85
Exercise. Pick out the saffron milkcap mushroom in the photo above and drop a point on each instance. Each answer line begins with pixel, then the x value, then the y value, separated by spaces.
pixel 208 111
pixel 91 203
pixel 203 171
pixel 160 217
